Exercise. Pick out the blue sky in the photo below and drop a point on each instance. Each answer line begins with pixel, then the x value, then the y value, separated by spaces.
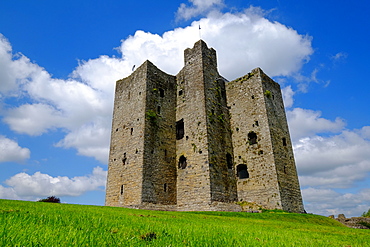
pixel 59 61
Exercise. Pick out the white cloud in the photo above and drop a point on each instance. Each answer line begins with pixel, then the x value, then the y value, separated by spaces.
pixel 33 119
pixel 86 99
pixel 328 202
pixel 198 7
pixel 82 105
pixel 339 56
pixel 11 151
pixel 306 123
pixel 288 94
pixel 88 140
pixel 14 69
pixel 338 159
pixel 333 162
pixel 6 74
pixel 365 132
pixel 31 187
pixel 243 41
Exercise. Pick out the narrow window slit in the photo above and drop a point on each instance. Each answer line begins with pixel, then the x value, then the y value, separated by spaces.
pixel 180 129
pixel 229 161
pixel 284 141
pixel 161 92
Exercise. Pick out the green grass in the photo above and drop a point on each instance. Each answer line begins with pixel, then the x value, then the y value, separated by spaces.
pixel 48 224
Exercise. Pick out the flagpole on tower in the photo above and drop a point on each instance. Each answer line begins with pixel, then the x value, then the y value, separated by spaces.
pixel 200 37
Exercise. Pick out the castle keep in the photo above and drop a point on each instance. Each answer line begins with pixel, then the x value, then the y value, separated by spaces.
pixel 195 141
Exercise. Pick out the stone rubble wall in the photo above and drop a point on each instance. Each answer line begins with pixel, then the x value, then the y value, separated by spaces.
pixel 354 222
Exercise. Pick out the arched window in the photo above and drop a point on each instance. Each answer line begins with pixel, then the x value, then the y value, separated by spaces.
pixel 182 162
pixel 242 171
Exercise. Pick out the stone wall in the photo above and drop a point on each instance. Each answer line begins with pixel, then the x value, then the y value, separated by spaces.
pixel 159 164
pixel 290 193
pixel 125 169
pixel 354 222
pixel 197 142
pixel 193 181
pixel 253 153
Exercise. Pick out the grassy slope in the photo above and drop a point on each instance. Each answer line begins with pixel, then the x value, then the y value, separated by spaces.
pixel 47 224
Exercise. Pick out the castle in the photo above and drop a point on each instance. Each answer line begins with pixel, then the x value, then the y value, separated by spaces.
pixel 195 141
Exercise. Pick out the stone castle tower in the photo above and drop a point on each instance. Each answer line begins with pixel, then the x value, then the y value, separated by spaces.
pixel 195 141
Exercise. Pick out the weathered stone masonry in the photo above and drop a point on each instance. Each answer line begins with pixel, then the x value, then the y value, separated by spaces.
pixel 197 142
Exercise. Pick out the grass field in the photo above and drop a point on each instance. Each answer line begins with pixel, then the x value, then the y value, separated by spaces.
pixel 48 224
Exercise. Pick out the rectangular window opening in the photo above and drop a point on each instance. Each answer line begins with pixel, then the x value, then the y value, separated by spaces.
pixel 180 129
pixel 161 92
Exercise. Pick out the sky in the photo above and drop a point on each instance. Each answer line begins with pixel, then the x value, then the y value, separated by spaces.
pixel 59 61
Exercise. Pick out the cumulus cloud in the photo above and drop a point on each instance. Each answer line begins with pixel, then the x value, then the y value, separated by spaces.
pixel 328 164
pixel 329 159
pixel 14 69
pixel 365 132
pixel 288 94
pixel 335 161
pixel 329 202
pixel 82 105
pixel 82 101
pixel 89 139
pixel 31 187
pixel 306 123
pixel 197 7
pixel 33 119
pixel 10 151
pixel 243 41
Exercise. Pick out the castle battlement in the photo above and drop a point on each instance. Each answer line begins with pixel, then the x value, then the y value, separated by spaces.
pixel 197 142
